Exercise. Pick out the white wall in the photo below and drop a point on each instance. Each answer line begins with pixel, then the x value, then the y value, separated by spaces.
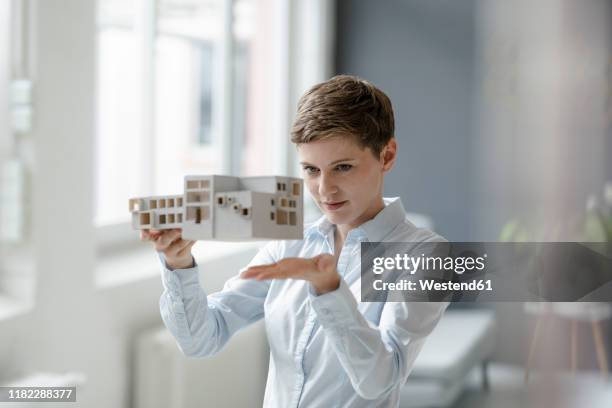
pixel 73 325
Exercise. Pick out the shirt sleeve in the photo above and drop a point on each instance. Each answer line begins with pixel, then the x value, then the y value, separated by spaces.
pixel 203 324
pixel 376 359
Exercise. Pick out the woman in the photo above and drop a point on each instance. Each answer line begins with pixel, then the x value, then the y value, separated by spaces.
pixel 327 349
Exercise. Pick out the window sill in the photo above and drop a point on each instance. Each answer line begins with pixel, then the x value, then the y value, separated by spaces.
pixel 142 262
pixel 11 307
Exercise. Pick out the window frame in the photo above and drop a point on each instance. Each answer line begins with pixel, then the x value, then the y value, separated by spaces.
pixel 120 234
pixel 292 43
pixel 15 108
pixel 6 47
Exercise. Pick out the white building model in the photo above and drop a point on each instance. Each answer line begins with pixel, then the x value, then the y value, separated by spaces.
pixel 227 208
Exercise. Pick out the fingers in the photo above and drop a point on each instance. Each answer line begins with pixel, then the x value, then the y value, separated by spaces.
pixel 311 269
pixel 283 269
pixel 252 271
pixel 162 239
pixel 176 250
pixel 179 248
pixel 259 268
pixel 166 238
pixel 186 250
pixel 149 235
pixel 261 272
pixel 145 235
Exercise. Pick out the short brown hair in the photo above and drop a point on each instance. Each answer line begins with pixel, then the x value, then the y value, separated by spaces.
pixel 345 105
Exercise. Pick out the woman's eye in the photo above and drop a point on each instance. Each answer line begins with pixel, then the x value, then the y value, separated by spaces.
pixel 310 170
pixel 344 167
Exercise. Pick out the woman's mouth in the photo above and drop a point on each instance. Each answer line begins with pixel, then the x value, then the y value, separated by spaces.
pixel 334 205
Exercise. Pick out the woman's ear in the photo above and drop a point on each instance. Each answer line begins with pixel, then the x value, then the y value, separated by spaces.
pixel 388 155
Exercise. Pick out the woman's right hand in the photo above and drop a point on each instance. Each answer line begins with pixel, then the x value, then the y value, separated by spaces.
pixel 176 250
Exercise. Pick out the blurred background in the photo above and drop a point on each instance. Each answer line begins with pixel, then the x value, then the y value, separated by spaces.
pixel 504 125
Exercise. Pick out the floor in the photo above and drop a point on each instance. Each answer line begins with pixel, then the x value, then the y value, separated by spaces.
pixel 561 390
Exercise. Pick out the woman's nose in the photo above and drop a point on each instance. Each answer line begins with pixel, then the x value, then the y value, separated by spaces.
pixel 327 186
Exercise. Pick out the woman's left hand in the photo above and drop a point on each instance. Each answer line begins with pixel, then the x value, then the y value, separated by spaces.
pixel 320 271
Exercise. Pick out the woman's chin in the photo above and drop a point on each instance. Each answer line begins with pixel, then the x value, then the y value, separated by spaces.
pixel 336 218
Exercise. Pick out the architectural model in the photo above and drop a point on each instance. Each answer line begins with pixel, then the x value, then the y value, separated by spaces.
pixel 227 208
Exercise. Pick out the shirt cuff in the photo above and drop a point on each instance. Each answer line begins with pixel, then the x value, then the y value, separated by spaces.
pixel 334 309
pixel 180 282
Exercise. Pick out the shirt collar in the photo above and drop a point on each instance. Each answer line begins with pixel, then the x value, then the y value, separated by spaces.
pixel 373 230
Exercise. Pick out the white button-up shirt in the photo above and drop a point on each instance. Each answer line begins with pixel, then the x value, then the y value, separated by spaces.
pixel 326 351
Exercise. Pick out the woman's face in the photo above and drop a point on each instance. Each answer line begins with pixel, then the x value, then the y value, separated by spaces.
pixel 345 180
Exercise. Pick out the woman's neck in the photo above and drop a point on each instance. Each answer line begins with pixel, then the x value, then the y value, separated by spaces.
pixel 342 230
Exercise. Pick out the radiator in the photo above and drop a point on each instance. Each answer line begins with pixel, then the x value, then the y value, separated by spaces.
pixel 235 377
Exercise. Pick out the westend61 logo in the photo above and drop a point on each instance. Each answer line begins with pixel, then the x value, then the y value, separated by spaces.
pixel 486 271
pixel 412 264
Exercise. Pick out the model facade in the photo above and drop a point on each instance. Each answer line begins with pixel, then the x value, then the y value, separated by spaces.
pixel 227 208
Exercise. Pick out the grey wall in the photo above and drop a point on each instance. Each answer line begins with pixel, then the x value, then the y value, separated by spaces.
pixel 422 54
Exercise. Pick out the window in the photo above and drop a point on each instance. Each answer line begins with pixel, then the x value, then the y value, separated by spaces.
pixel 119 109
pixel 5 131
pixel 163 76
pixel 5 75
pixel 190 87
pixel 15 122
